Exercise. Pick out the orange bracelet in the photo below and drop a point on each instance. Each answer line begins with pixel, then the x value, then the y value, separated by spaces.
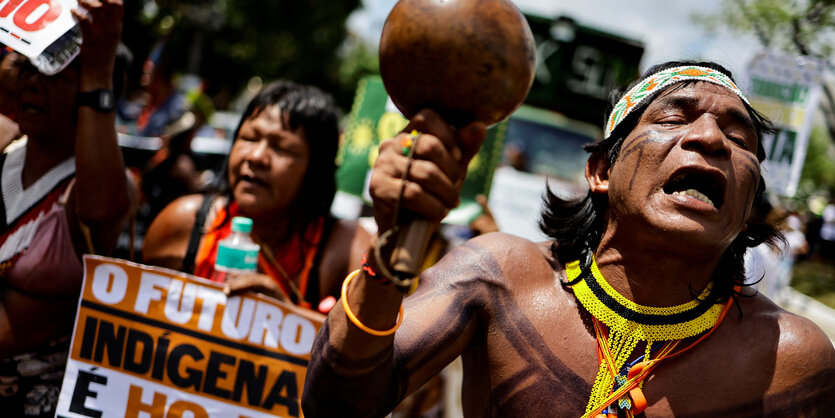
pixel 356 320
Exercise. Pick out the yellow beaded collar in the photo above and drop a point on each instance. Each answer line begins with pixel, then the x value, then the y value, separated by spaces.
pixel 647 323
pixel 628 323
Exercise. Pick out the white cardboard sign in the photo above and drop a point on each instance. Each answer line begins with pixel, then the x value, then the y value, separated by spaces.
pixel 29 26
pixel 787 89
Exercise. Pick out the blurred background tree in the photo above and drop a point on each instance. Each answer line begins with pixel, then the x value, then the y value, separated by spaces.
pixel 819 168
pixel 803 27
pixel 227 42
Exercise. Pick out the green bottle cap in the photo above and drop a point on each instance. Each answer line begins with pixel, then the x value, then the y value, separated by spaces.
pixel 241 224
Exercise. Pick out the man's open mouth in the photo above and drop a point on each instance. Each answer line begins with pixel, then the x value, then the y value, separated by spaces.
pixel 705 186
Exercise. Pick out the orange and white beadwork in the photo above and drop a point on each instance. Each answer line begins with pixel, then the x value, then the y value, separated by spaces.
pixel 658 82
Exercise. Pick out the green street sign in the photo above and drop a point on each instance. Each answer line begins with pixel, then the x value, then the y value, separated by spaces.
pixel 577 66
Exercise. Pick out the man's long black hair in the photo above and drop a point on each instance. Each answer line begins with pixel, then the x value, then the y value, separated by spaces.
pixel 577 225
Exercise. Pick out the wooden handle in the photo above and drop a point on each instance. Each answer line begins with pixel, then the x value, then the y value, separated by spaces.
pixel 410 248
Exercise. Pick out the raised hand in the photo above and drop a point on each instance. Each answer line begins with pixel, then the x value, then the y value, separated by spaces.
pixel 434 175
pixel 101 28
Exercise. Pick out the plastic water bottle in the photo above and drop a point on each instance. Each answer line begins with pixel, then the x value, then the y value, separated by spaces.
pixel 236 253
pixel 60 53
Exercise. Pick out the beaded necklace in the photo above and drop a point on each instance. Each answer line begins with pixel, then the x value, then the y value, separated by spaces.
pixel 621 324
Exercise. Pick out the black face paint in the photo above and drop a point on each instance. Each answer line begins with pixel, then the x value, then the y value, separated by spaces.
pixel 636 144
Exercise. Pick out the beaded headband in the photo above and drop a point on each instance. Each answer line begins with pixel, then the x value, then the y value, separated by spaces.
pixel 661 80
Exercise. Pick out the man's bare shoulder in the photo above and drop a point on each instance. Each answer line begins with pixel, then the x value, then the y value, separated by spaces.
pixel 803 352
pixel 799 337
pixel 509 245
pixel 802 363
pixel 501 259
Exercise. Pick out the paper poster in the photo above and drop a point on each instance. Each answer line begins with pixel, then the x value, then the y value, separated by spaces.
pixel 29 26
pixel 159 343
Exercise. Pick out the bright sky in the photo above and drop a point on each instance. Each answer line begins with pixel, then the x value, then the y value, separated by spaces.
pixel 665 27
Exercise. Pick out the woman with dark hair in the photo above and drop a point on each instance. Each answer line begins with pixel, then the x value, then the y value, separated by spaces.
pixel 634 308
pixel 280 173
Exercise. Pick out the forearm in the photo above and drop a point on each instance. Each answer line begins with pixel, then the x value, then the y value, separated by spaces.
pixel 337 387
pixel 374 305
pixel 101 190
pixel 351 372
pixel 369 372
pixel 368 375
pixel 101 194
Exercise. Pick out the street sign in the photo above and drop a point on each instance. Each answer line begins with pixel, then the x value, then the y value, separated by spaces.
pixel 787 89
pixel 577 67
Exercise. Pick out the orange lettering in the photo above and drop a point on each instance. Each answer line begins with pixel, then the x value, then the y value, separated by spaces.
pixel 156 409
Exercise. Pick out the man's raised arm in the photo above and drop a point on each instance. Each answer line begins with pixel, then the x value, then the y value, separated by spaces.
pixel 357 366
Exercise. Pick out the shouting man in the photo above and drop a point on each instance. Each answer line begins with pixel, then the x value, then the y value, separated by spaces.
pixel 637 306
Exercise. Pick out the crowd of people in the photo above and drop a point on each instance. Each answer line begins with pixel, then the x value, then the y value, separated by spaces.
pixel 659 260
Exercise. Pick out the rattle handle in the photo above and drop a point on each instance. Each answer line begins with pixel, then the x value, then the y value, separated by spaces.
pixel 410 247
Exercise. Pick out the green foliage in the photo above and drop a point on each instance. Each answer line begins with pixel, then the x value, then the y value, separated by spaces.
pixel 804 27
pixel 815 278
pixel 358 59
pixel 229 41
pixel 779 24
pixel 819 168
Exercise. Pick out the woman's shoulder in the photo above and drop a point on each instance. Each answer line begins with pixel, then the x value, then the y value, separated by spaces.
pixel 183 211
pixel 348 230
pixel 167 238
pixel 346 241
pixel 182 208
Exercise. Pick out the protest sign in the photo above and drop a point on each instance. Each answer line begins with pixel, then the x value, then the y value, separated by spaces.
pixel 787 89
pixel 29 26
pixel 159 342
pixel 374 118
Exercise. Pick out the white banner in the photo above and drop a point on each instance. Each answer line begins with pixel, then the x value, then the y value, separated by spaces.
pixel 787 89
pixel 29 26
pixel 101 392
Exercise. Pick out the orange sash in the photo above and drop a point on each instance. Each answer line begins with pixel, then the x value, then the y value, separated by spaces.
pixel 295 255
